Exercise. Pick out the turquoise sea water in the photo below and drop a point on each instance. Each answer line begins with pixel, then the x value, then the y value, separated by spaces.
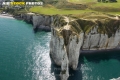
pixel 24 55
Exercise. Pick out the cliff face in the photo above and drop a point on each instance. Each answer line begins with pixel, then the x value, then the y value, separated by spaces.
pixel 65 44
pixel 101 33
pixel 70 35
pixel 40 22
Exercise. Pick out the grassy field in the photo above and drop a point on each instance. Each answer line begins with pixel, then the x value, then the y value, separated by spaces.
pixel 94 3
pixel 52 11
pixel 82 1
pixel 93 6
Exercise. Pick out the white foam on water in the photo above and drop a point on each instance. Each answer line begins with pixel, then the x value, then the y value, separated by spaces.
pixel 6 16
pixel 115 78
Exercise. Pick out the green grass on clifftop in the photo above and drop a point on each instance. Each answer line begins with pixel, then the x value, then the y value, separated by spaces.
pixel 82 1
pixel 92 6
pixel 52 11
pixel 100 6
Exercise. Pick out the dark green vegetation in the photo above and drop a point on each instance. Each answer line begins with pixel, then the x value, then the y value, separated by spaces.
pixel 107 1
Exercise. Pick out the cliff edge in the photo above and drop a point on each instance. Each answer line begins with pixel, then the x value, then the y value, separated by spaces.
pixel 70 34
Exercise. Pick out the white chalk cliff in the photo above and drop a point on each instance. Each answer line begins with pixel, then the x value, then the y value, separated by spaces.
pixel 69 35
pixel 73 33
pixel 40 22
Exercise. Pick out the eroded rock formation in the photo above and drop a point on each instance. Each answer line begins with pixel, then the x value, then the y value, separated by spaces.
pixel 40 22
pixel 65 44
pixel 70 35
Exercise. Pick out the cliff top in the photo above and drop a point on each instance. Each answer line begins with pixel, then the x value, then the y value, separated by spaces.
pixel 94 16
pixel 105 24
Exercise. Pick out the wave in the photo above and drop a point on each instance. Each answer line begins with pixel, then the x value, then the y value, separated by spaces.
pixel 115 78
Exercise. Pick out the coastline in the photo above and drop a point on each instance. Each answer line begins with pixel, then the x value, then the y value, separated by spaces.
pixel 6 16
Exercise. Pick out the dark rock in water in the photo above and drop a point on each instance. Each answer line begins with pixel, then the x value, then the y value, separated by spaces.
pixel 42 28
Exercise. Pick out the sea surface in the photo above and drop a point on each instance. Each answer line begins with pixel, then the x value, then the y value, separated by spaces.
pixel 24 55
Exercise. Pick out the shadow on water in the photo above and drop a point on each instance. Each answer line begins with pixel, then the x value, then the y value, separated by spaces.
pixel 56 70
pixel 75 74
pixel 38 29
pixel 98 56
pixel 94 57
